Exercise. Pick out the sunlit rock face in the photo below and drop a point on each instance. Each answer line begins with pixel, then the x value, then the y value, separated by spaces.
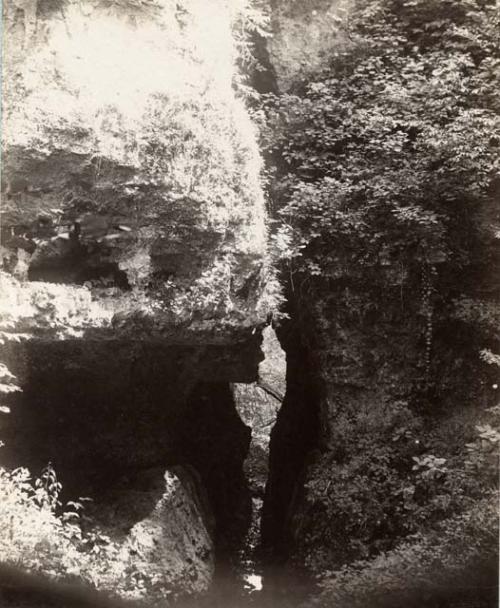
pixel 130 165
pixel 162 525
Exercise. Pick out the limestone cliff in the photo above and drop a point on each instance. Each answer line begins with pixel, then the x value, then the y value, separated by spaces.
pixel 133 251
pixel 130 165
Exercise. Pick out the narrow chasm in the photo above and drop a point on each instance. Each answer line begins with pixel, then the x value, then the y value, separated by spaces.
pixel 251 567
pixel 258 405
pixel 293 438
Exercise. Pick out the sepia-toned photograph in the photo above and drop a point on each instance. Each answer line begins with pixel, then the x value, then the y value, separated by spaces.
pixel 250 304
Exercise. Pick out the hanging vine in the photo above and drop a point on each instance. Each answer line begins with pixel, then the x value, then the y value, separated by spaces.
pixel 428 288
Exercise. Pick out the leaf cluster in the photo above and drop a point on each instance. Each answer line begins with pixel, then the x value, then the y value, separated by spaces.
pixel 388 155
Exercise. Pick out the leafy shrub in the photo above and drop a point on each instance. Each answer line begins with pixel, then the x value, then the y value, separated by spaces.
pixel 32 534
pixel 40 536
pixel 387 156
pixel 457 559
pixel 389 476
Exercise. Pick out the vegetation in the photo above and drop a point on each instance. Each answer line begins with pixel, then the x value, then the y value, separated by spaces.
pixel 365 505
pixel 385 158
pixel 384 191
pixel 184 135
pixel 386 175
pixel 425 566
pixel 40 536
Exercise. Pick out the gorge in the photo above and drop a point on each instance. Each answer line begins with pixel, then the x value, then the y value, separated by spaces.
pixel 249 303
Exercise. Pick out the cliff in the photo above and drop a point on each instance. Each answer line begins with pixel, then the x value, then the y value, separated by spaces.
pixel 134 262
pixel 130 166
pixel 390 263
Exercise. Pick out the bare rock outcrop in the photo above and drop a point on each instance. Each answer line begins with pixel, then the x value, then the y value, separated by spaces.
pixel 304 36
pixel 162 526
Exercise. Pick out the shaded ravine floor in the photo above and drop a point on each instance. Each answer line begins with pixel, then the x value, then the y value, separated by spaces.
pixel 249 580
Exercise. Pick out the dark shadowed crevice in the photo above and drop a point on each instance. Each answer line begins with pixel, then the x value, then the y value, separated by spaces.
pixel 292 439
pixel 263 78
pixel 73 263
pixel 215 442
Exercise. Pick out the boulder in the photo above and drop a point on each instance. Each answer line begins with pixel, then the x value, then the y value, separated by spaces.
pixel 148 540
pixel 162 526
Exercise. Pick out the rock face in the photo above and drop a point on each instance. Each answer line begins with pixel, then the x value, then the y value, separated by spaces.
pixel 162 523
pixel 293 437
pixel 142 405
pixel 139 181
pixel 373 377
pixel 304 35
pixel 216 443
pixel 362 405
pixel 134 260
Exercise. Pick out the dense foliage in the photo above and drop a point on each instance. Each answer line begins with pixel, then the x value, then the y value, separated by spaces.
pixel 399 476
pixel 385 187
pixel 426 565
pixel 386 157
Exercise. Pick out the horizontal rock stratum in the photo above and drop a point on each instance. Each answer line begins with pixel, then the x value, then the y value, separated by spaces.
pixel 130 164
